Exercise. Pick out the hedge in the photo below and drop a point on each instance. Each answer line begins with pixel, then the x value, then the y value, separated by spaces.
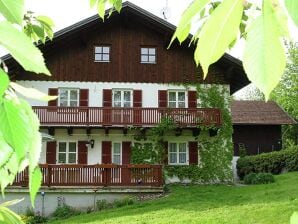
pixel 274 162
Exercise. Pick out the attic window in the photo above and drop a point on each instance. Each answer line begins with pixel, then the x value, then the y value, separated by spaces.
pixel 102 53
pixel 148 55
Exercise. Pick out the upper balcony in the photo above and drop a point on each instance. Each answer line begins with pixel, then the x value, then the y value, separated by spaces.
pixel 112 116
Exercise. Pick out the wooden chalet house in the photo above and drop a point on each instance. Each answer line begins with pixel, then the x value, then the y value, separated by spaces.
pixel 110 77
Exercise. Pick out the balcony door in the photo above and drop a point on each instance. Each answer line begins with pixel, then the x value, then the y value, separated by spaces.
pixel 122 103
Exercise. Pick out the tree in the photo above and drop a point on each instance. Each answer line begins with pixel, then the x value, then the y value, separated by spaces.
pixel 249 92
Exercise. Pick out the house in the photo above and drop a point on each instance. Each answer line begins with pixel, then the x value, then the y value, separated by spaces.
pixel 113 80
pixel 257 126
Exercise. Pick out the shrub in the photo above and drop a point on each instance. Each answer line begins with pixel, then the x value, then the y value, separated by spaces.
pixel 65 211
pixel 274 162
pixel 31 217
pixel 103 204
pixel 259 178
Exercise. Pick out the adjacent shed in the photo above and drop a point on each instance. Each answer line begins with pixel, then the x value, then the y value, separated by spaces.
pixel 257 126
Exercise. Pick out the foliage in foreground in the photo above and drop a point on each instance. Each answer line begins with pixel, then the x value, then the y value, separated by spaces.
pixel 274 162
pixel 265 204
pixel 259 178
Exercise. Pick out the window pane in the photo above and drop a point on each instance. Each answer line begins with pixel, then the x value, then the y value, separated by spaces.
pixel 181 104
pixel 72 158
pixel 152 51
pixel 151 58
pixel 182 157
pixel 98 49
pixel 127 96
pixel 173 158
pixel 98 57
pixel 62 158
pixel 116 149
pixel 105 57
pixel 172 104
pixel 116 159
pixel 62 146
pixel 144 50
pixel 73 103
pixel 117 104
pixel 181 96
pixel 73 94
pixel 182 147
pixel 106 50
pixel 63 103
pixel 72 147
pixel 117 95
pixel 144 58
pixel 172 96
pixel 63 94
pixel 172 147
pixel 127 104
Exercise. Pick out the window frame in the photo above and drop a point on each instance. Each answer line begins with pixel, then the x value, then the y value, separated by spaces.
pixel 148 55
pixel 66 151
pixel 177 154
pixel 177 98
pixel 122 101
pixel 101 54
pixel 113 153
pixel 68 96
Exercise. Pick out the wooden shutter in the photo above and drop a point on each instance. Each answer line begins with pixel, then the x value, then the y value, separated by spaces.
pixel 162 98
pixel 82 152
pixel 51 153
pixel 165 159
pixel 192 99
pixel 137 104
pixel 107 98
pixel 193 153
pixel 53 92
pixel 106 152
pixel 84 97
pixel 126 152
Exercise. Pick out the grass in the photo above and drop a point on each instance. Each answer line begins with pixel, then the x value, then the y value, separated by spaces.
pixel 271 203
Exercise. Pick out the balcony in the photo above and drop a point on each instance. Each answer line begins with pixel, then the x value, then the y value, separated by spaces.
pixel 96 175
pixel 111 116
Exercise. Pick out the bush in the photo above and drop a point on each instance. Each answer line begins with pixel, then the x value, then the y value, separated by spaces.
pixel 103 204
pixel 274 162
pixel 65 211
pixel 31 217
pixel 259 178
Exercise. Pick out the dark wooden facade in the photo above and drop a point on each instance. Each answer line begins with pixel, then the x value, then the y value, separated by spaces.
pixel 257 138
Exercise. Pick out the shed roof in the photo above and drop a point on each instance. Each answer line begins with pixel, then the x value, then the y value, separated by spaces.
pixel 259 112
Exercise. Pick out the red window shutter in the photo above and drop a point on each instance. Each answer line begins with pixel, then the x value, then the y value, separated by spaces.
pixel 162 98
pixel 165 160
pixel 107 98
pixel 51 153
pixel 53 92
pixel 193 153
pixel 192 99
pixel 84 97
pixel 106 152
pixel 126 151
pixel 82 152
pixel 137 98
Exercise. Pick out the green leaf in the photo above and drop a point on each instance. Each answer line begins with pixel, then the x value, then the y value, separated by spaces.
pixel 45 20
pixel 5 152
pixel 92 3
pixel 13 10
pixel 292 7
pixel 7 216
pixel 34 183
pixel 118 5
pixel 4 82
pixel 218 33
pixel 101 8
pixel 22 49
pixel 264 63
pixel 184 25
pixel 39 32
pixel 294 218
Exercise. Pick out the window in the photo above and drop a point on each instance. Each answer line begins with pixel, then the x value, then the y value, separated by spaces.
pixel 176 99
pixel 67 152
pixel 122 98
pixel 102 53
pixel 178 154
pixel 68 97
pixel 116 153
pixel 148 55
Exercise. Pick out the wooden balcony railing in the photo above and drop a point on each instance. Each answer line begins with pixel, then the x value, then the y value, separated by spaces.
pixel 99 116
pixel 96 175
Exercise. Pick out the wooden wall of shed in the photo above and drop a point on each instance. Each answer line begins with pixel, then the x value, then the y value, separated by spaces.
pixel 257 138
pixel 72 58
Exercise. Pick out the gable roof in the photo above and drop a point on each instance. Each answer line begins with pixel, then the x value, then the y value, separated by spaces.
pixel 233 66
pixel 259 112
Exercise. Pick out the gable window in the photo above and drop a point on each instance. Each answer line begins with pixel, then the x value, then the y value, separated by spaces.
pixel 102 53
pixel 67 152
pixel 176 99
pixel 148 55
pixel 68 97
pixel 178 153
pixel 116 153
pixel 122 98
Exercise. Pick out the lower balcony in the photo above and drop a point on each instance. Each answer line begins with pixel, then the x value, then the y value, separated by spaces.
pixel 104 175
pixel 111 116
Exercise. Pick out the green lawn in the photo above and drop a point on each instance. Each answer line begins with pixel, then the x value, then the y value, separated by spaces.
pixel 271 203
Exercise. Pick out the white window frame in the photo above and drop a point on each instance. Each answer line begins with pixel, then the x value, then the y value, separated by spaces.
pixel 176 98
pixel 66 152
pixel 113 153
pixel 68 96
pixel 177 153
pixel 102 53
pixel 122 97
pixel 148 55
